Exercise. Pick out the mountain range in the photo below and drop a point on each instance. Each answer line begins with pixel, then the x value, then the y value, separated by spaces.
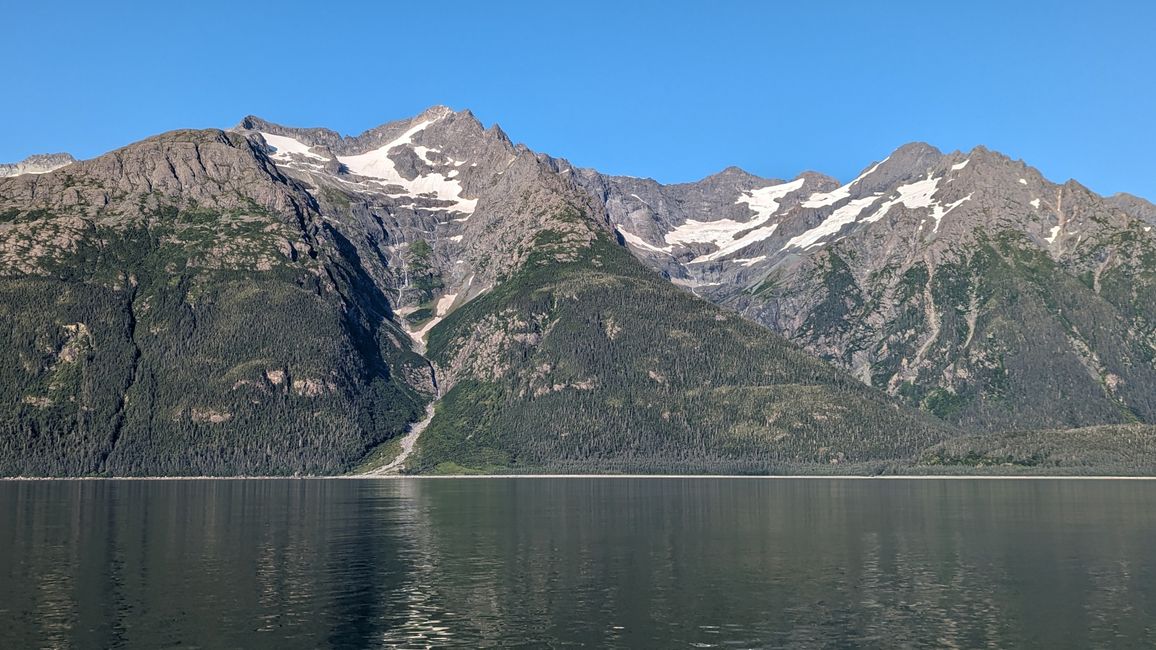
pixel 430 297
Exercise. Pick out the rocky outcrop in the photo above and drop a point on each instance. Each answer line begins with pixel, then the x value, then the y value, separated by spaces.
pixel 37 164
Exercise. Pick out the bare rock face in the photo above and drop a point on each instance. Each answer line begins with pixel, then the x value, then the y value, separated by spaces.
pixel 1134 206
pixel 439 207
pixel 144 185
pixel 965 282
pixel 215 169
pixel 36 164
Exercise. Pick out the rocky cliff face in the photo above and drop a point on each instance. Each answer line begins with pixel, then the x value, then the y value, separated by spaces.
pixel 966 283
pixel 37 164
pixel 439 207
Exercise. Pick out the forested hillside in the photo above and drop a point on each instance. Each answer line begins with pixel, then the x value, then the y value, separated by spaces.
pixel 157 335
pixel 1114 450
pixel 585 361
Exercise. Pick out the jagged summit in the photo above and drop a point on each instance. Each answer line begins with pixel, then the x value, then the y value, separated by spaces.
pixel 37 164
pixel 1134 205
pixel 732 171
pixel 320 136
pixel 916 148
pixel 965 281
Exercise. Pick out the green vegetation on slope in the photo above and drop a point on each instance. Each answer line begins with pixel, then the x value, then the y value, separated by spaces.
pixel 1000 336
pixel 129 357
pixel 584 360
pixel 1104 450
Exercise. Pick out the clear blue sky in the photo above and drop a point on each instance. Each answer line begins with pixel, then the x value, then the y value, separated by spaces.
pixel 671 90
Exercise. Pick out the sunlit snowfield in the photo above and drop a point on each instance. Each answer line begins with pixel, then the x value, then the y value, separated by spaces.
pixel 598 561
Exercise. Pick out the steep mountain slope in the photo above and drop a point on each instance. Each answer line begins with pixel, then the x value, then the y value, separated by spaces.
pixel 179 307
pixel 966 284
pixel 257 301
pixel 438 207
pixel 554 348
pixel 585 361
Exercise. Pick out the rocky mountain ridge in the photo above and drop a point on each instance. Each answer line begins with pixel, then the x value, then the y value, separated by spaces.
pixel 36 164
pixel 449 263
pixel 911 277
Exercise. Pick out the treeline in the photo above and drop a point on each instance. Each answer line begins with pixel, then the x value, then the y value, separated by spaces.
pixel 1104 450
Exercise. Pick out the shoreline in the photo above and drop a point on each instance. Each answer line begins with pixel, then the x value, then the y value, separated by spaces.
pixel 394 477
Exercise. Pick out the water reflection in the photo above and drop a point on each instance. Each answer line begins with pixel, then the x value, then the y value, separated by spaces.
pixel 601 562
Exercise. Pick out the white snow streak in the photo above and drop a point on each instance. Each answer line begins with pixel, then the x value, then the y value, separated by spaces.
pixel 638 242
pixel 1036 203
pixel 913 195
pixel 722 232
pixel 958 166
pixel 377 164
pixel 284 145
pixel 750 261
pixel 873 168
pixel 823 199
pixel 918 195
pixel 832 224
pixel 423 153
pixel 737 245
pixel 440 310
pixel 938 211
pixel 765 200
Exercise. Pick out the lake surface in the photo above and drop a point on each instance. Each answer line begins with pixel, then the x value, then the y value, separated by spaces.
pixel 664 563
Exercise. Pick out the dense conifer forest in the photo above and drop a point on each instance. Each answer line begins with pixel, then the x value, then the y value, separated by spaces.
pixel 599 365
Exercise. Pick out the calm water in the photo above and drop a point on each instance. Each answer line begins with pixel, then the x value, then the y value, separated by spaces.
pixel 662 563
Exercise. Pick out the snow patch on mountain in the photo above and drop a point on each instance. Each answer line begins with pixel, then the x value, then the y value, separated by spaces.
pixel 823 199
pixel 913 196
pixel 737 245
pixel 938 211
pixel 750 261
pixel 765 200
pixel 725 233
pixel 377 164
pixel 284 147
pixel 835 222
pixel 441 310
pixel 919 194
pixel 638 242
